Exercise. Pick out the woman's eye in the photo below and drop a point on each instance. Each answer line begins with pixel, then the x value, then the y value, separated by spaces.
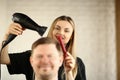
pixel 57 28
pixel 67 31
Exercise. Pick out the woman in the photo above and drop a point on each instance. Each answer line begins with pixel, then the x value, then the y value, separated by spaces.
pixel 63 26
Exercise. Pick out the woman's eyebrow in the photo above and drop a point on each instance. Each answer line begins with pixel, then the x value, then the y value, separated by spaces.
pixel 57 25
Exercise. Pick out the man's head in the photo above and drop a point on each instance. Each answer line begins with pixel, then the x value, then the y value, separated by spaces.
pixel 46 58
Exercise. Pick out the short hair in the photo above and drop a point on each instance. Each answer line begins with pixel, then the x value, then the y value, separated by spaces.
pixel 47 40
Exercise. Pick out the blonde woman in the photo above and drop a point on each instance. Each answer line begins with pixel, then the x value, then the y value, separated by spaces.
pixel 64 26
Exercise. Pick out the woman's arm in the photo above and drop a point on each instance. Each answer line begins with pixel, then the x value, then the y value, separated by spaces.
pixel 4 53
pixel 69 64
pixel 16 29
pixel 69 75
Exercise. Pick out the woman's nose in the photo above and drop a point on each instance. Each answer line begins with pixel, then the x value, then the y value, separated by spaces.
pixel 61 32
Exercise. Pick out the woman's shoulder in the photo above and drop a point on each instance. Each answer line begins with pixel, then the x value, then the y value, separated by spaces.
pixel 23 53
pixel 79 61
pixel 27 52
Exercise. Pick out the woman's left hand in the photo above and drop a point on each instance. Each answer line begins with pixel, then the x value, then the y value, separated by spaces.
pixel 69 62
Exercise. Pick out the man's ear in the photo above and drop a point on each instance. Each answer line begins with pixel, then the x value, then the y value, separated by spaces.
pixel 30 59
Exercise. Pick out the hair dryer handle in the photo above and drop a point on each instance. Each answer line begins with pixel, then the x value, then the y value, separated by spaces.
pixel 9 39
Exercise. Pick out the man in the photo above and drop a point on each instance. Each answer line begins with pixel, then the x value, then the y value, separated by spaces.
pixel 46 58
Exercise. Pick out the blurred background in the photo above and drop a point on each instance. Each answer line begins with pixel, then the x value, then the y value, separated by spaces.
pixel 97 28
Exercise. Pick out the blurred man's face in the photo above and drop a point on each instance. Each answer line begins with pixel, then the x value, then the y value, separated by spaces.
pixel 46 61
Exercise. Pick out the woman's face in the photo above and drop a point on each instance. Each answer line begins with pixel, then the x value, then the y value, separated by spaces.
pixel 64 29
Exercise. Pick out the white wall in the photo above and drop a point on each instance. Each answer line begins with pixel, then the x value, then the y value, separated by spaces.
pixel 95 28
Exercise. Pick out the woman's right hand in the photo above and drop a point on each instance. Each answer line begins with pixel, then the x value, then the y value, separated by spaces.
pixel 14 28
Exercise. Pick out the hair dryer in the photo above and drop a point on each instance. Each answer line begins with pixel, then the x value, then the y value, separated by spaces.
pixel 25 22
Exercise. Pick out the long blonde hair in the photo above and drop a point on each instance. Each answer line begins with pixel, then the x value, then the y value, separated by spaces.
pixel 71 44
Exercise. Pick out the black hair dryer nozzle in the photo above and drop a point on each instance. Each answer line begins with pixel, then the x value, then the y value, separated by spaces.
pixel 25 22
